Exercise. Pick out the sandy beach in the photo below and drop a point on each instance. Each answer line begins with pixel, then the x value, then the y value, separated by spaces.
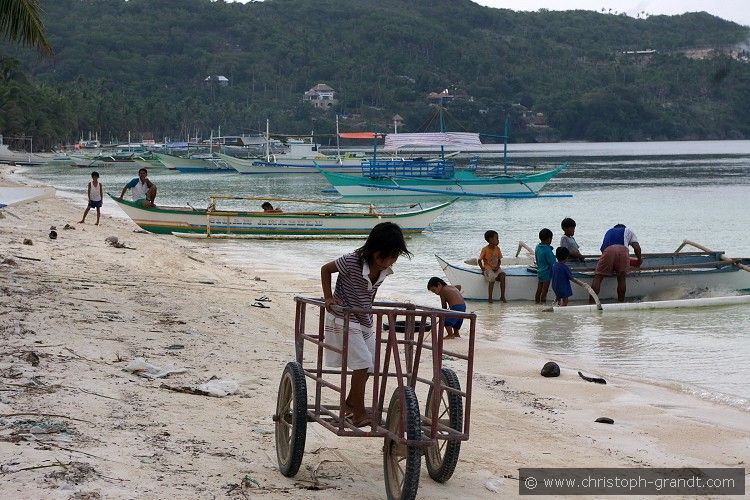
pixel 75 311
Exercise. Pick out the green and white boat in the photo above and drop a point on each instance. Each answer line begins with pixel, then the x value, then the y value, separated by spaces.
pixel 214 223
pixel 462 183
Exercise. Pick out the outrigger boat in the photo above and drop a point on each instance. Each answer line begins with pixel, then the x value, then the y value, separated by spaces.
pixel 659 273
pixel 462 183
pixel 214 223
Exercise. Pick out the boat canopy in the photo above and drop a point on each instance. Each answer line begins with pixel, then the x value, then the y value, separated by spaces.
pixel 360 135
pixel 447 139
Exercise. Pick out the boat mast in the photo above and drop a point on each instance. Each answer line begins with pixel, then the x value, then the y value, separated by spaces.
pixel 440 123
pixel 505 147
pixel 268 151
pixel 338 147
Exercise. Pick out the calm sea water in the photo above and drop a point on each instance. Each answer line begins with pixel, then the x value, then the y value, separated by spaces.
pixel 665 192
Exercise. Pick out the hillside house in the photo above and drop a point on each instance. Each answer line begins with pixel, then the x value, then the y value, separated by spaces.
pixel 321 96
pixel 220 80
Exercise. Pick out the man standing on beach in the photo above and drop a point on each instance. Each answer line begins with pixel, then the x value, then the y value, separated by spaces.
pixel 615 260
pixel 143 190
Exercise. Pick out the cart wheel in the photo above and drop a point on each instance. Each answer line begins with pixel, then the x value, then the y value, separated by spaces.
pixel 291 419
pixel 442 458
pixel 401 462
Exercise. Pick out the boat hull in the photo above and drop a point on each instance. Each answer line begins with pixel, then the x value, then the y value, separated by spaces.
pixel 521 283
pixel 463 184
pixel 169 220
pixel 194 165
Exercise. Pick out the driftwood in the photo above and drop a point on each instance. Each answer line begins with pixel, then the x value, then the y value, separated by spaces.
pixel 27 258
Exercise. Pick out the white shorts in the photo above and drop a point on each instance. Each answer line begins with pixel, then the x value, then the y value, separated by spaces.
pixel 490 275
pixel 361 353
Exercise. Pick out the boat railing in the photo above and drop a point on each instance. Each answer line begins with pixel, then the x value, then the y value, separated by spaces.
pixel 437 169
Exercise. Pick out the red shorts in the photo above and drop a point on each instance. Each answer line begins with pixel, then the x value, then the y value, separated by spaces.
pixel 614 260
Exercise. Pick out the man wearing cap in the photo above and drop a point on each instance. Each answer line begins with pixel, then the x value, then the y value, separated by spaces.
pixel 615 260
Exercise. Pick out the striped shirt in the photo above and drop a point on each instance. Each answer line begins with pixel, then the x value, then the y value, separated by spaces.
pixel 353 286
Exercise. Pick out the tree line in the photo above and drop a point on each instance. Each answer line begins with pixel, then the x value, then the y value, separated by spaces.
pixel 140 65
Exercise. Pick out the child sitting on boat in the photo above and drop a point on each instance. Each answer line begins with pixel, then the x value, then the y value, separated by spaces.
pixel 267 207
pixel 567 240
pixel 450 298
pixel 360 273
pixel 545 259
pixel 489 262
pixel 561 277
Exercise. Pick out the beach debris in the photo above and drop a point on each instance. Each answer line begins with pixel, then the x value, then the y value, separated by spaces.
pixel 494 484
pixel 53 235
pixel 604 420
pixel 263 298
pixel 140 367
pixel 260 305
pixel 258 278
pixel 75 472
pixel 215 387
pixel 53 228
pixel 596 380
pixel 551 369
pixel 174 347
pixel 27 258
pixel 32 358
pixel 113 241
pixel 68 227
pixel 196 259
pixel 219 387
pixel 27 241
pixel 9 262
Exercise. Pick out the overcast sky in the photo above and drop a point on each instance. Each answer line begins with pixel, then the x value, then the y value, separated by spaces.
pixel 732 10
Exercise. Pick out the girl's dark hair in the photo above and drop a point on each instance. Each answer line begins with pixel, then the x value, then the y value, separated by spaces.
pixel 435 281
pixel 385 239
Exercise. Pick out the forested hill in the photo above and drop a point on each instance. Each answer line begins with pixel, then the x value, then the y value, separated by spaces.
pixel 140 65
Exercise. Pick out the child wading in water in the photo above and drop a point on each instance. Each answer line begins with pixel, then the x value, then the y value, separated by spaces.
pixel 450 298
pixel 360 274
pixel 96 194
pixel 561 277
pixel 545 259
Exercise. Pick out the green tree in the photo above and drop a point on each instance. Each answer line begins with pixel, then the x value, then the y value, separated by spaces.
pixel 20 21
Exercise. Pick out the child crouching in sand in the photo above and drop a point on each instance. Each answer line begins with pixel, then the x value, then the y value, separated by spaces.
pixel 360 273
pixel 450 298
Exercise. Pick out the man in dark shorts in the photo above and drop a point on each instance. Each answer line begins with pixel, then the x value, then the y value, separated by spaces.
pixel 615 260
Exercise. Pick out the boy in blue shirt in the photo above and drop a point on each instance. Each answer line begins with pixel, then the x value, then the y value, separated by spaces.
pixel 545 259
pixel 561 277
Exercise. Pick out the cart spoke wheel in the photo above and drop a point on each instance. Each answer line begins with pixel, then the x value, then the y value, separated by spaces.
pixel 442 457
pixel 291 419
pixel 401 462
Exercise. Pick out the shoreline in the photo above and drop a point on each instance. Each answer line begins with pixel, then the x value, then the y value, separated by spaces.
pixel 86 309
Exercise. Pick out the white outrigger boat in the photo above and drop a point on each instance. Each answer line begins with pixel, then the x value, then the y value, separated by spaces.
pixel 214 223
pixel 658 274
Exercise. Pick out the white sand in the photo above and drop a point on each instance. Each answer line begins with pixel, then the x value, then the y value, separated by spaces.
pixel 86 309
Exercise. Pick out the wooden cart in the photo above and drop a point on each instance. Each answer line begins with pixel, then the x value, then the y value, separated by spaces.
pixel 413 335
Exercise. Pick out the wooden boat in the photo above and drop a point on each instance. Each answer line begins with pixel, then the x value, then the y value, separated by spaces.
pixel 349 162
pixel 659 274
pixel 199 163
pixel 462 183
pixel 214 223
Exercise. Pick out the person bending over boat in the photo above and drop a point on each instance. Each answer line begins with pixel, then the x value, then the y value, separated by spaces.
pixel 267 207
pixel 142 189
pixel 615 260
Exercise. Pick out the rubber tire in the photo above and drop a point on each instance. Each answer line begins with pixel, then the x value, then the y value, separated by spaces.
pixel 413 430
pixel 441 468
pixel 289 465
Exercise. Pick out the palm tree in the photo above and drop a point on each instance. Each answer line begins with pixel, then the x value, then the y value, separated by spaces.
pixel 20 22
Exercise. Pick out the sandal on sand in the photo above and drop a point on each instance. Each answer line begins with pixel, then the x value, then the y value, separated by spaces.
pixel 260 305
